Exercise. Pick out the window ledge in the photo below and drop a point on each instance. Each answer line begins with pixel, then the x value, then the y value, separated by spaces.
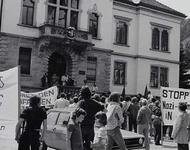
pixel 158 50
pixel 28 26
pixel 126 45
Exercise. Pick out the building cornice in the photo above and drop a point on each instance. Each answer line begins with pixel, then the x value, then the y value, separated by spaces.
pixel 146 57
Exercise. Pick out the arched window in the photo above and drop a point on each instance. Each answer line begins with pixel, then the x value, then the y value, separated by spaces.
pixel 121 32
pixel 28 12
pixel 155 38
pixel 164 45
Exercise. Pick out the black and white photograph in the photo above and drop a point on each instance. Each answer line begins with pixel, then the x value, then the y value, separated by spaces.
pixel 94 74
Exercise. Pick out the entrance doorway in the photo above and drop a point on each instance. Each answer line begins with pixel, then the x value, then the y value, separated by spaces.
pixel 57 67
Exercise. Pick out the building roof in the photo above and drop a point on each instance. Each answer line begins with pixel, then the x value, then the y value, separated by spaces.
pixel 153 4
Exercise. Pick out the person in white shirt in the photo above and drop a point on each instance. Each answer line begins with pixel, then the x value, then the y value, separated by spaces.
pixel 114 121
pixel 62 102
pixel 100 138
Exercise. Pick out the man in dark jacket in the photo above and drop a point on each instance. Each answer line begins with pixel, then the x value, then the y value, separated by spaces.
pixel 91 107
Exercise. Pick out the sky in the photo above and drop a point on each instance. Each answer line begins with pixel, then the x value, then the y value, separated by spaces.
pixel 182 6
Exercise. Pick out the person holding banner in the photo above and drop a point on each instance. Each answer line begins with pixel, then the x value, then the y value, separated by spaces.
pixel 181 132
pixel 31 119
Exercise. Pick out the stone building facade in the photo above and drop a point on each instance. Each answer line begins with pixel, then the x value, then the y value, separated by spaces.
pixel 107 42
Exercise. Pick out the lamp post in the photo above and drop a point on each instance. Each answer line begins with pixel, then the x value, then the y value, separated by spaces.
pixel 136 1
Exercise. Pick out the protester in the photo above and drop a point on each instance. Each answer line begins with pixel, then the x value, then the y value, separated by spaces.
pixel 91 107
pixel 144 121
pixel 62 102
pixel 100 138
pixel 74 136
pixel 126 103
pixel 132 113
pixel 31 118
pixel 157 121
pixel 114 121
pixel 75 101
pixel 181 128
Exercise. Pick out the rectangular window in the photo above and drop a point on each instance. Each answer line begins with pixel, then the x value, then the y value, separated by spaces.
pixel 51 15
pixel 63 13
pixel 119 73
pixel 25 59
pixel 121 32
pixel 91 69
pixel 160 37
pixel 74 19
pixel 158 76
pixel 28 12
pixel 62 17
pixel 93 25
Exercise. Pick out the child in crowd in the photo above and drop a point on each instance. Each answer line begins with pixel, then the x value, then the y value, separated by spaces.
pixel 74 136
pixel 100 138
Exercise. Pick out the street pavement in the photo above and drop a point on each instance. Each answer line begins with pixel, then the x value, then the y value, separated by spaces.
pixel 10 144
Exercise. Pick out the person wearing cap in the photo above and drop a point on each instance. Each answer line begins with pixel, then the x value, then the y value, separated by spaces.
pixel 91 107
pixel 144 121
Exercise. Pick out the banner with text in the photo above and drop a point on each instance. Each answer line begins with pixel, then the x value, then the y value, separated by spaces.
pixel 9 98
pixel 48 97
pixel 170 98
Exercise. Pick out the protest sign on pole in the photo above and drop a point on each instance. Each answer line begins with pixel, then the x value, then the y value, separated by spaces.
pixel 48 97
pixel 170 98
pixel 9 101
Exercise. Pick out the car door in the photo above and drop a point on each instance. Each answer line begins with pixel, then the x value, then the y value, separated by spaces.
pixel 50 136
pixel 60 130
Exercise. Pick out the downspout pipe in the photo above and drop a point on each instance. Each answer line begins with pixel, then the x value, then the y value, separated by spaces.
pixel 1 14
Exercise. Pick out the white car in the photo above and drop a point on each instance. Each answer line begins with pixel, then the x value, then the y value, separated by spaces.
pixel 55 135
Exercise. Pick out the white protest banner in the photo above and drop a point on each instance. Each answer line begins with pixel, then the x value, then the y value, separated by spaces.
pixel 9 99
pixel 48 97
pixel 170 98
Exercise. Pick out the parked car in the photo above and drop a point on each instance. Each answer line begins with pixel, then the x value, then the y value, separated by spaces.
pixel 55 135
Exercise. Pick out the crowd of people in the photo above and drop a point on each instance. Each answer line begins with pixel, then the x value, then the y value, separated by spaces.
pixel 97 120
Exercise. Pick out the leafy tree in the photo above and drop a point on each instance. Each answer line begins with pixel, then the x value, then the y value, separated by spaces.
pixel 184 71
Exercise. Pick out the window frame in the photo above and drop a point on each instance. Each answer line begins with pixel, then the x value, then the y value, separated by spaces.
pixel 162 47
pixel 20 60
pixel 121 19
pixel 124 71
pixel 159 76
pixel 33 16
pixel 94 61
pixel 95 10
pixel 96 21
pixel 68 9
